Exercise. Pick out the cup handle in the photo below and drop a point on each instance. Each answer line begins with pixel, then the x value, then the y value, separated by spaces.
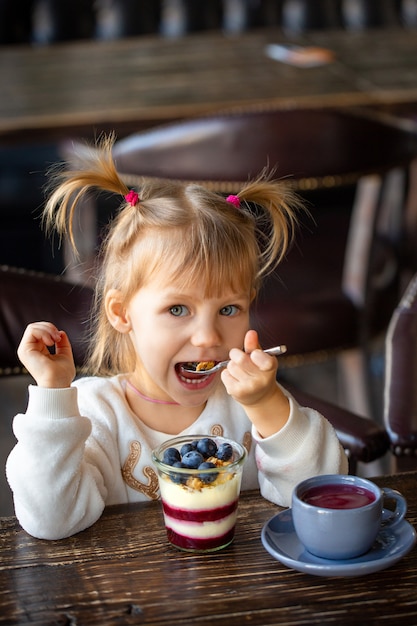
pixel 392 518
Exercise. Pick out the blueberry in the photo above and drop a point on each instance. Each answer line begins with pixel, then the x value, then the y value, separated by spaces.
pixel 192 459
pixel 207 447
pixel 170 456
pixel 187 447
pixel 178 478
pixel 207 478
pixel 225 452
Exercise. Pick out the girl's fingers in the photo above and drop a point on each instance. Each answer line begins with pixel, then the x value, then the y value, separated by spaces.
pixel 63 347
pixel 251 342
pixel 264 362
pixel 50 368
pixel 42 332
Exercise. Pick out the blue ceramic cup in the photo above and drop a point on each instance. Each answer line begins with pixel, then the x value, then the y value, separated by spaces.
pixel 339 516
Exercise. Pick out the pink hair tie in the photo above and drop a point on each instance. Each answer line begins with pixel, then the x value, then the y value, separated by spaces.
pixel 234 200
pixel 132 198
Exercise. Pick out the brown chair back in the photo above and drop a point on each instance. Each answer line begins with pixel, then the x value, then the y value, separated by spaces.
pixel 313 147
pixel 31 296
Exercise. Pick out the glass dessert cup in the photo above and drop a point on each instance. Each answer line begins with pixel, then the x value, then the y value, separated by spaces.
pixel 200 504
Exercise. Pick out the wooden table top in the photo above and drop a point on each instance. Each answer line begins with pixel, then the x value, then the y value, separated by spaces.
pixel 86 87
pixel 122 571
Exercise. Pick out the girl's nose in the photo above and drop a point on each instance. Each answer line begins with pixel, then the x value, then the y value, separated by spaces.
pixel 206 335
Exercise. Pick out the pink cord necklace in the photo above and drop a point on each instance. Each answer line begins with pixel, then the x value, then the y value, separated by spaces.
pixel 153 400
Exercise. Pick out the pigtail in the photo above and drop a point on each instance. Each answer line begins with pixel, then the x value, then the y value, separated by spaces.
pixel 68 186
pixel 276 224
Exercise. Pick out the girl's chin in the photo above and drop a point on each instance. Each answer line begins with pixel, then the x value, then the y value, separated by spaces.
pixel 193 394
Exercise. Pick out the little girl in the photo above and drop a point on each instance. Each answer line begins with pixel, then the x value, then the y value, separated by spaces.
pixel 179 269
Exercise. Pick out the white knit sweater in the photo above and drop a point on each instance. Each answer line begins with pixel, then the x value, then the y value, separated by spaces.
pixel 82 448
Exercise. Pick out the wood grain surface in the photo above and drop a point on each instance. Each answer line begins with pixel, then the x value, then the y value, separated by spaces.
pixel 122 571
pixel 86 87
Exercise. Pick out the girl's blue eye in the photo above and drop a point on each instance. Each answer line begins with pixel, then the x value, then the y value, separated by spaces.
pixel 230 309
pixel 178 310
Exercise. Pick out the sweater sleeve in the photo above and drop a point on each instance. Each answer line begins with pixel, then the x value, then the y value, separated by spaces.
pixel 306 446
pixel 57 481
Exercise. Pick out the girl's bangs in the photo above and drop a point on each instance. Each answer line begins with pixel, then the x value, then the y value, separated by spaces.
pixel 213 267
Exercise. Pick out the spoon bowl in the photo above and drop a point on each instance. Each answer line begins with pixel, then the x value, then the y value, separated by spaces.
pixel 211 370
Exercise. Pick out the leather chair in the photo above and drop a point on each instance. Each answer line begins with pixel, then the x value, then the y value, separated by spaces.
pixel 338 286
pixel 29 296
pixel 400 387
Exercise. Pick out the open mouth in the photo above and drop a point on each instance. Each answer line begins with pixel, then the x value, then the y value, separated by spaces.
pixel 188 371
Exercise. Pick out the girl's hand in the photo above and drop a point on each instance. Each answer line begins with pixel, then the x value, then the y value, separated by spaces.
pixel 250 378
pixel 49 370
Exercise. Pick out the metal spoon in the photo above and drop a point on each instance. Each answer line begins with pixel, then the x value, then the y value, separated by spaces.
pixel 273 351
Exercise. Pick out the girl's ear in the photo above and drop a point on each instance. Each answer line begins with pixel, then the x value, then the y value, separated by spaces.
pixel 116 311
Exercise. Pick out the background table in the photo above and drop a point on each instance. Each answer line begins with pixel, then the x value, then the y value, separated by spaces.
pixel 86 87
pixel 122 571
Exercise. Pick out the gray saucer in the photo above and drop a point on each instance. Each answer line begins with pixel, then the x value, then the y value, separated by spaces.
pixel 280 540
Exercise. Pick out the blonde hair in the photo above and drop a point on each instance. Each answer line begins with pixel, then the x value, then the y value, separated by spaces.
pixel 173 226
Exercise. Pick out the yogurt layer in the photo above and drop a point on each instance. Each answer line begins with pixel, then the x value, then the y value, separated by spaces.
pixel 211 496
